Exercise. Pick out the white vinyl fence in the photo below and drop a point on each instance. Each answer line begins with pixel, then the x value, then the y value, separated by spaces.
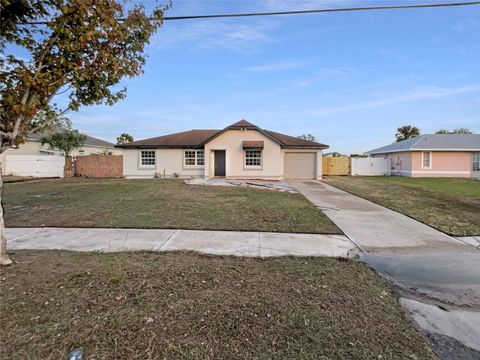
pixel 370 167
pixel 35 165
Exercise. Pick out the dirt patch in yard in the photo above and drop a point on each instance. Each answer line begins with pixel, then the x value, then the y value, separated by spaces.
pixel 189 306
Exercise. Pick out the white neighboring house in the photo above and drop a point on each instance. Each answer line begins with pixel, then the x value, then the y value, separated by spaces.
pixel 240 151
pixel 33 147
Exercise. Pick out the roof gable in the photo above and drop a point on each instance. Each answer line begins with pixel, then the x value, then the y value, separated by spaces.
pixel 242 124
pixel 198 138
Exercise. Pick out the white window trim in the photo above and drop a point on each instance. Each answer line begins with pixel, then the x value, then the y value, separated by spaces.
pixel 473 161
pixel 141 166
pixel 429 160
pixel 252 167
pixel 196 166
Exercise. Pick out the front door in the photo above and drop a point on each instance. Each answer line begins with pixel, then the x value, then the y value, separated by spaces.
pixel 219 163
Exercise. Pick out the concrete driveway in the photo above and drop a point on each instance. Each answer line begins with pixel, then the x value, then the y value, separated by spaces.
pixel 372 227
pixel 436 277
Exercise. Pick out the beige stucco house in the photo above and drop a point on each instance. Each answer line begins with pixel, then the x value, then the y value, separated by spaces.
pixel 34 147
pixel 240 151
pixel 434 155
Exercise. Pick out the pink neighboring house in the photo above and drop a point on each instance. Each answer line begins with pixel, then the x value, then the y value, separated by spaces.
pixel 434 155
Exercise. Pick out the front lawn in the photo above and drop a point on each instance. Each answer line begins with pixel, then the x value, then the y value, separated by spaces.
pixel 189 306
pixel 447 204
pixel 165 204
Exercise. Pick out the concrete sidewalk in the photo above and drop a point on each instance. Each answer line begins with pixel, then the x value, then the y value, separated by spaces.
pixel 208 242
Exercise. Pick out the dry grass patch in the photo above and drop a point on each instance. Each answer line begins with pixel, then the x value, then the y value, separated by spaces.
pixel 189 306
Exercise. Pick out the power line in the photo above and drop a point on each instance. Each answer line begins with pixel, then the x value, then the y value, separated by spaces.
pixel 297 12
pixel 293 12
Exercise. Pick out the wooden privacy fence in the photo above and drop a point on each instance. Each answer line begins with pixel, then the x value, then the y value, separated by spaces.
pixel 99 166
pixel 336 165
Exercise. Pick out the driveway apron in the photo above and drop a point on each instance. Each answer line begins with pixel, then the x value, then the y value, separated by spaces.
pixel 436 277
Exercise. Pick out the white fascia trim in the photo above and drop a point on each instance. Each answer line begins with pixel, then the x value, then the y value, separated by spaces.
pixel 430 172
pixel 439 172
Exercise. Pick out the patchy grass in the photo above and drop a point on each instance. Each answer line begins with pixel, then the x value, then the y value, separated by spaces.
pixel 447 204
pixel 170 204
pixel 189 306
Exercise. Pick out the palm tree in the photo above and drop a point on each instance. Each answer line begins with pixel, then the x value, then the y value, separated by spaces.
pixel 407 132
pixel 124 138
pixel 65 141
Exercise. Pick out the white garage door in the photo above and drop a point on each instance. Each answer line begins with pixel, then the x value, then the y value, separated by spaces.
pixel 35 165
pixel 300 165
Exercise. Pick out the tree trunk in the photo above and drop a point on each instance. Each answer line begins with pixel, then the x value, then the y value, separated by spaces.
pixel 69 167
pixel 4 259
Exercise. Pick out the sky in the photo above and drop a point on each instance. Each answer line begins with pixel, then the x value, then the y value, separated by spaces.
pixel 350 79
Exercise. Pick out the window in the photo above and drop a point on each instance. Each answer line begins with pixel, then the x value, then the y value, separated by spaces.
pixel 147 158
pixel 426 160
pixel 81 152
pixel 194 158
pixel 476 161
pixel 253 158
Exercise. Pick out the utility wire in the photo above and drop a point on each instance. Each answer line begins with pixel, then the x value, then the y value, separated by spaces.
pixel 388 7
pixel 296 12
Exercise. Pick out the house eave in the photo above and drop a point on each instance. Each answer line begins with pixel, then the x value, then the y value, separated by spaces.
pixel 159 146
pixel 412 150
pixel 305 147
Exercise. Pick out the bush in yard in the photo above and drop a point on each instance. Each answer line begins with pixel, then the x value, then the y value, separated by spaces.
pixel 65 141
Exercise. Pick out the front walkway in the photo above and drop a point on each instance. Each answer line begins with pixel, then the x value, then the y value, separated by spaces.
pixel 209 242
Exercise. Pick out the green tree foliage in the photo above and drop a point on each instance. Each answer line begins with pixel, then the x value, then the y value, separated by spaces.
pixel 406 132
pixel 124 138
pixel 84 50
pixel 455 131
pixel 308 137
pixel 65 141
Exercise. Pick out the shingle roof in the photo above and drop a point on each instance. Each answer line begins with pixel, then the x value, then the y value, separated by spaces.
pixel 198 138
pixel 185 139
pixel 252 144
pixel 433 142
pixel 89 141
pixel 293 141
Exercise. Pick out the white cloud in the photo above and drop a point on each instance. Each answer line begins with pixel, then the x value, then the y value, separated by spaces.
pixel 241 36
pixel 276 66
pixel 467 26
pixel 413 95
pixel 323 74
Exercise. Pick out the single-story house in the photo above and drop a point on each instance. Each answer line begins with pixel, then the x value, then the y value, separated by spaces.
pixel 434 155
pixel 240 151
pixel 33 146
